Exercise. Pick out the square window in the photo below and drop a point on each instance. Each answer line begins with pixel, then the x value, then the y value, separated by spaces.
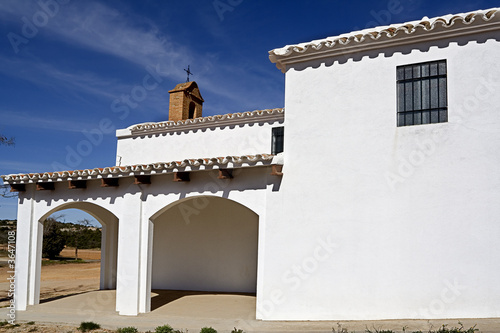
pixel 421 93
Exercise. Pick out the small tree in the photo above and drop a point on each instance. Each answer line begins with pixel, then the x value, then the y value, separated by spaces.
pixel 53 239
pixel 4 188
pixel 80 232
pixel 6 141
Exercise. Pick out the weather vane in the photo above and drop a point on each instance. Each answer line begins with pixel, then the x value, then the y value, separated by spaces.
pixel 188 73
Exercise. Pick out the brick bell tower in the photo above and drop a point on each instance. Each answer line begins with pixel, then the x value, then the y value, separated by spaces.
pixel 185 102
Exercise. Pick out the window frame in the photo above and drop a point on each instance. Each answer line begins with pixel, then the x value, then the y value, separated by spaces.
pixel 422 93
pixel 277 140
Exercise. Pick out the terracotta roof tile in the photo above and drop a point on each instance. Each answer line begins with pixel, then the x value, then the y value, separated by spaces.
pixel 125 171
pixel 424 25
pixel 220 120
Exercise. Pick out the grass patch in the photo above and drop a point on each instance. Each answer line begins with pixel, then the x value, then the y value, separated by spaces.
pixel 235 330
pixel 127 330
pixel 86 326
pixel 442 329
pixel 164 329
pixel 445 329
pixel 62 262
pixel 208 330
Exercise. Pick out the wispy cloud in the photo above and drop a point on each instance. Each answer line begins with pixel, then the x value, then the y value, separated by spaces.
pixel 94 26
pixel 26 120
pixel 23 167
pixel 44 74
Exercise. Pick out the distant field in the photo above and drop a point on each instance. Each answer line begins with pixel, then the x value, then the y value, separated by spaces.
pixel 91 254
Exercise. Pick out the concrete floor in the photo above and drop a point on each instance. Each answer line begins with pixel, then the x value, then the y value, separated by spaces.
pixel 194 310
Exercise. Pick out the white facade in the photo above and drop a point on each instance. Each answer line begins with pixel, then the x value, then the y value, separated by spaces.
pixel 368 220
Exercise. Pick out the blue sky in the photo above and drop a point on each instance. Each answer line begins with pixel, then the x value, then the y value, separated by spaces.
pixel 67 66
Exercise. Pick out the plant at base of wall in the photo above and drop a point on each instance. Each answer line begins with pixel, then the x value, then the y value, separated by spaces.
pixel 235 330
pixel 208 330
pixel 86 326
pixel 127 330
pixel 164 329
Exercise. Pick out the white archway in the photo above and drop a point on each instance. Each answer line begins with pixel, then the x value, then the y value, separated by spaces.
pixel 109 245
pixel 204 243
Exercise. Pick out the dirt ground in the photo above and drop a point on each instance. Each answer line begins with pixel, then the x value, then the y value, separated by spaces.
pixel 56 281
pixel 44 328
pixel 61 279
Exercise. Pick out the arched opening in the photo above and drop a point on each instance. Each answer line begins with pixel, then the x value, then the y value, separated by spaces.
pixel 71 254
pixel 206 244
pixel 192 108
pixel 100 273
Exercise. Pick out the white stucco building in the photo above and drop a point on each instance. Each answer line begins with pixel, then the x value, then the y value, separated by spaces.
pixel 383 204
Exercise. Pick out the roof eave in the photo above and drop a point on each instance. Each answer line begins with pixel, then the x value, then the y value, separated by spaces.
pixel 190 165
pixel 389 37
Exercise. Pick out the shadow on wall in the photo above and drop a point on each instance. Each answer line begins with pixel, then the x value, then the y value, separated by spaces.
pixel 205 243
pixel 388 52
pixel 160 297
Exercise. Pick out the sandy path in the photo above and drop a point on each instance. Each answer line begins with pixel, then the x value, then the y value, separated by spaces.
pixel 59 280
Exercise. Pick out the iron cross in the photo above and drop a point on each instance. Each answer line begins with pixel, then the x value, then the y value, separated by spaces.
pixel 188 73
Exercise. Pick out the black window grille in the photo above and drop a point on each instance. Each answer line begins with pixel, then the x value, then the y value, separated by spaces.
pixel 277 140
pixel 422 93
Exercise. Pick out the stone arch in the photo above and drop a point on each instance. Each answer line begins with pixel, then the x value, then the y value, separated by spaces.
pixel 204 243
pixel 109 240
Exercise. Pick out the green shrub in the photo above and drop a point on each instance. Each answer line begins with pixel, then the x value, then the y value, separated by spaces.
pixel 53 239
pixel 127 330
pixel 86 326
pixel 208 330
pixel 235 330
pixel 164 329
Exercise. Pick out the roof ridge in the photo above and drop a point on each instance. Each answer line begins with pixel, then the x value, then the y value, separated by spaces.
pixel 375 33
pixel 152 126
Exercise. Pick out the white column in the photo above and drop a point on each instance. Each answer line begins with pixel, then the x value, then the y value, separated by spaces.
pixel 146 264
pixel 129 254
pixel 35 262
pixel 109 243
pixel 28 252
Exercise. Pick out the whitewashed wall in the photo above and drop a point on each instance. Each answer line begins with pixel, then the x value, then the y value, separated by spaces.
pixel 346 241
pixel 247 139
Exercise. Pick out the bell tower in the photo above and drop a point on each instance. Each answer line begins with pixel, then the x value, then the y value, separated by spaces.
pixel 185 102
